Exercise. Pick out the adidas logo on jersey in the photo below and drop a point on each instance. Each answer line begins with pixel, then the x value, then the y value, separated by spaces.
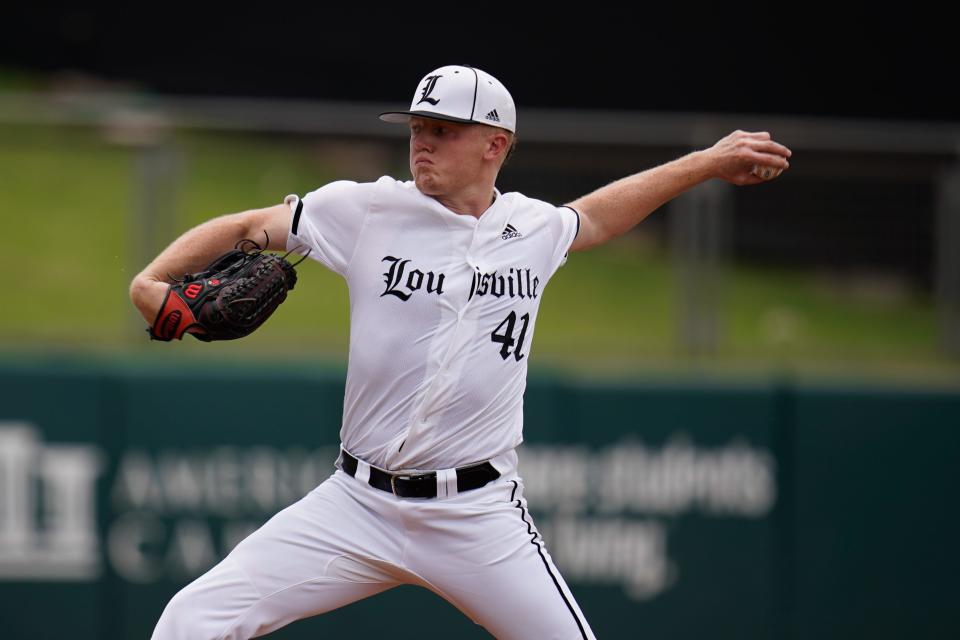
pixel 510 232
pixel 494 116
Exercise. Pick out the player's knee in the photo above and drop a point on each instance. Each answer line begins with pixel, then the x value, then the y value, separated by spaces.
pixel 186 616
pixel 180 619
pixel 190 614
pixel 212 606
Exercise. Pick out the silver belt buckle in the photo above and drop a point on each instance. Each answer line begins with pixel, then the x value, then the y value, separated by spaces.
pixel 394 478
pixel 393 484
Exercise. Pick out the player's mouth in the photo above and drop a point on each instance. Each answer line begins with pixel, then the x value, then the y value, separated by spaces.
pixel 421 160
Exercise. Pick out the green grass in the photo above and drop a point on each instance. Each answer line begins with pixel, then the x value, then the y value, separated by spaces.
pixel 63 204
pixel 19 79
pixel 70 214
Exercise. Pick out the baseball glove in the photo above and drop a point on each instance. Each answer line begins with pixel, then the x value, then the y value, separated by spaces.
pixel 229 299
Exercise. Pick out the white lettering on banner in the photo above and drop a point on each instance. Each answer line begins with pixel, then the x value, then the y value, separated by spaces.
pixel 133 544
pixel 47 508
pixel 629 478
pixel 191 548
pixel 144 548
pixel 167 500
pixel 679 478
pixel 225 481
pixel 556 478
pixel 175 513
pixel 630 552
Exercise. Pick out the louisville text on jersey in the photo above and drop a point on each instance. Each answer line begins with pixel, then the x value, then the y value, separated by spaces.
pixel 401 282
pixel 515 283
pixel 394 278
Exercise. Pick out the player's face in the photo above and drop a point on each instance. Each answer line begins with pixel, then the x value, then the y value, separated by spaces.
pixel 445 157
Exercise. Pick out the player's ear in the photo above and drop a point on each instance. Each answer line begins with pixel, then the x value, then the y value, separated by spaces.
pixel 498 142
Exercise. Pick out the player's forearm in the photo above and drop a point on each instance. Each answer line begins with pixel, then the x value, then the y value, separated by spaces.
pixel 621 205
pixel 189 253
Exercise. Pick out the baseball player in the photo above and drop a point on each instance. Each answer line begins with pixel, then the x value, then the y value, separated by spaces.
pixel 445 275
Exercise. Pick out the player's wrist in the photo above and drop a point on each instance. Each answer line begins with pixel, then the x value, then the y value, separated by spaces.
pixel 147 296
pixel 702 165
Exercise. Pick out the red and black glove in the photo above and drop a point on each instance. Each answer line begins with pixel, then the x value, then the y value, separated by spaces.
pixel 229 299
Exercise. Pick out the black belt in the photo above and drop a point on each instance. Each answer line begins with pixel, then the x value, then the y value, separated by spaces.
pixel 423 485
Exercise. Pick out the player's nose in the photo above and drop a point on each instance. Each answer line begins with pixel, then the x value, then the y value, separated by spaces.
pixel 420 137
pixel 420 142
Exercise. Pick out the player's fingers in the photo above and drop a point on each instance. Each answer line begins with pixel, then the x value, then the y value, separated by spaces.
pixel 767 160
pixel 761 172
pixel 771 147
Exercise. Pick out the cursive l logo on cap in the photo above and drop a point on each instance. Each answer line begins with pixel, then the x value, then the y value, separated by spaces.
pixel 428 89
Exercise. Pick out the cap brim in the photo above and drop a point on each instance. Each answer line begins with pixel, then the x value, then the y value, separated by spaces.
pixel 404 116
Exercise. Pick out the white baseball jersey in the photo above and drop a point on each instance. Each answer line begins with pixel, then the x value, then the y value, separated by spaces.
pixel 442 314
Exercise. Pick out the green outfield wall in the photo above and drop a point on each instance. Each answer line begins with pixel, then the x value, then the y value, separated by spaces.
pixel 675 509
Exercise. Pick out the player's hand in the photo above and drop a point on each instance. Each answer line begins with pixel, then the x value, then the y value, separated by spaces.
pixel 147 295
pixel 735 157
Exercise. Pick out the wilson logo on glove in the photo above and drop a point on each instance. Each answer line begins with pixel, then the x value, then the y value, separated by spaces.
pixel 171 322
pixel 246 286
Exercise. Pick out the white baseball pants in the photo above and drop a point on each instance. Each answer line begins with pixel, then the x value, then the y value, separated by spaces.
pixel 346 540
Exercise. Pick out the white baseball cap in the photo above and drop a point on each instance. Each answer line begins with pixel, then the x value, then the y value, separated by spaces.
pixel 460 94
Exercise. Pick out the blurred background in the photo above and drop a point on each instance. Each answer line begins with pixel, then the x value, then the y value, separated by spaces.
pixel 742 416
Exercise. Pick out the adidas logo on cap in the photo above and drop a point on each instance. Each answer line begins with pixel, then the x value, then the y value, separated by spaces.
pixel 493 115
pixel 510 232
